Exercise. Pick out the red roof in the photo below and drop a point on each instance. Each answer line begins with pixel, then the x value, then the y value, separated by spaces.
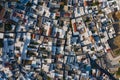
pixel 49 31
pixel 33 36
pixel 14 14
pixel 2 12
pixel 67 14
pixel 57 14
pixel 85 3
pixel 25 20
pixel 108 50
pixel 74 27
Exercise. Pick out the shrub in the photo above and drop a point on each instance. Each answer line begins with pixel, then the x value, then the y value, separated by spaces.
pixel 8 27
pixel 118 72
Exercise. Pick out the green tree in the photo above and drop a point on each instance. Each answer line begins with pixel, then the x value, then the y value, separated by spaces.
pixel 95 3
pixel 29 4
pixel 0 7
pixel 117 41
pixel 1 43
pixel 118 72
pixel 8 27
pixel 117 14
pixel 1 25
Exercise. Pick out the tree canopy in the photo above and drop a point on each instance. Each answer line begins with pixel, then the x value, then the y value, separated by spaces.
pixel 117 41
pixel 117 14
pixel 118 72
pixel 1 43
pixel 8 27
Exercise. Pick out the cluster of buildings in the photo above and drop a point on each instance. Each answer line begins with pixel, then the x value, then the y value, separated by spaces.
pixel 51 39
